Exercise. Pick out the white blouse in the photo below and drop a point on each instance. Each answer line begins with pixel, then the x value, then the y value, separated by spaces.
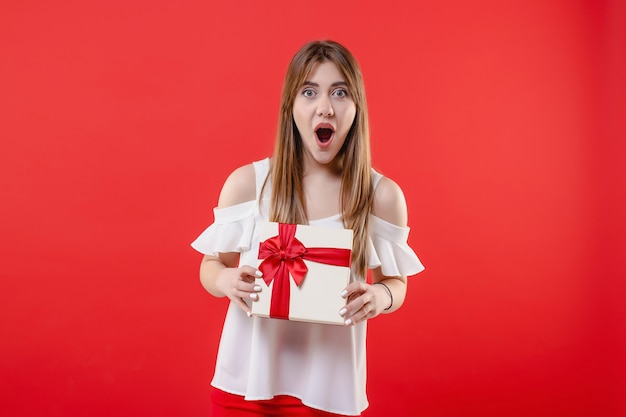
pixel 323 365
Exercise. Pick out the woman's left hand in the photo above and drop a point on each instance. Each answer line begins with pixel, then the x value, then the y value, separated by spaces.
pixel 365 301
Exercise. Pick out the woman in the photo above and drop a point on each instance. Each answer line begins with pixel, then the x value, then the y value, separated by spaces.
pixel 320 174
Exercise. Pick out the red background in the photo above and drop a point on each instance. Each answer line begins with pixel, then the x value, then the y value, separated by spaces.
pixel 502 121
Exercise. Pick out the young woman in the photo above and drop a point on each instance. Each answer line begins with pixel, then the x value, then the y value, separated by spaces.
pixel 320 174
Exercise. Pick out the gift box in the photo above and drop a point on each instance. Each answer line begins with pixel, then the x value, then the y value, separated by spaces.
pixel 305 268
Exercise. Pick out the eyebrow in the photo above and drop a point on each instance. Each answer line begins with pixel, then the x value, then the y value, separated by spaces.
pixel 335 84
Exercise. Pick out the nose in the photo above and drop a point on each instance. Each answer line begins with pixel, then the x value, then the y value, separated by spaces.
pixel 325 107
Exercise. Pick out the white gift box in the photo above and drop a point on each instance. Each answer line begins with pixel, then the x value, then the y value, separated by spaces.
pixel 318 297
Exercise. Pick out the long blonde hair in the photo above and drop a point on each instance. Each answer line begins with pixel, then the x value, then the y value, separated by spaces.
pixel 287 199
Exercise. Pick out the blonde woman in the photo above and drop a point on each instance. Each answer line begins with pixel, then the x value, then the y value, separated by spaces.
pixel 320 174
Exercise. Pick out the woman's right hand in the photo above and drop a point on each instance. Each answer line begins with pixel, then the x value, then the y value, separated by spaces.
pixel 238 285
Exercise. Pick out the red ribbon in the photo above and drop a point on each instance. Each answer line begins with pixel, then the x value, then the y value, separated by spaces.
pixel 284 255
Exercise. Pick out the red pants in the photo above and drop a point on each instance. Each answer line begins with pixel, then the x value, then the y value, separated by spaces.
pixel 224 404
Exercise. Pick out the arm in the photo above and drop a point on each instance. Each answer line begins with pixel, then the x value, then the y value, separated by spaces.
pixel 220 275
pixel 368 301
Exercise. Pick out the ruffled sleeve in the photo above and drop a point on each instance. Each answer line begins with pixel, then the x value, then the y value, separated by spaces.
pixel 389 249
pixel 230 232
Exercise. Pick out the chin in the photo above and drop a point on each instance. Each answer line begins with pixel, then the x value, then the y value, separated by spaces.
pixel 326 159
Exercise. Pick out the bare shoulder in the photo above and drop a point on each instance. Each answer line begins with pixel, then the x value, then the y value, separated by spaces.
pixel 389 202
pixel 239 187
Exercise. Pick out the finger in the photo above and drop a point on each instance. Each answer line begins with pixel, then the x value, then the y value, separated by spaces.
pixel 352 289
pixel 354 296
pixel 360 308
pixel 359 292
pixel 247 291
pixel 250 273
pixel 349 311
pixel 364 313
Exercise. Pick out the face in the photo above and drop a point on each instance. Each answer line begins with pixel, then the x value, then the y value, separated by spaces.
pixel 323 112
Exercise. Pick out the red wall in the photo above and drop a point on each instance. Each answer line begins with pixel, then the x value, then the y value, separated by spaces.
pixel 502 121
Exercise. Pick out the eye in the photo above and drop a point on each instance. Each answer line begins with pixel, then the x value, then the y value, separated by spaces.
pixel 308 92
pixel 340 92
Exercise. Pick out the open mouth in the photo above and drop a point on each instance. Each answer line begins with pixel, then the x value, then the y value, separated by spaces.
pixel 324 134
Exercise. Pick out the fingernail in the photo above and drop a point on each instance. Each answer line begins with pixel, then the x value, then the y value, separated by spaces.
pixel 257 288
pixel 249 313
pixel 343 311
pixel 258 273
pixel 348 322
pixel 253 296
pixel 344 293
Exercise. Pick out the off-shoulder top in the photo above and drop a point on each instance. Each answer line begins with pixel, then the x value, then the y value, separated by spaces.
pixel 323 365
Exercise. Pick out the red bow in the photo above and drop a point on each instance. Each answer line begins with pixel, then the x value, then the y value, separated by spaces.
pixel 284 255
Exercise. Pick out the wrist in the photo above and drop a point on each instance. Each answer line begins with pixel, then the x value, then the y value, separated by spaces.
pixel 389 293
